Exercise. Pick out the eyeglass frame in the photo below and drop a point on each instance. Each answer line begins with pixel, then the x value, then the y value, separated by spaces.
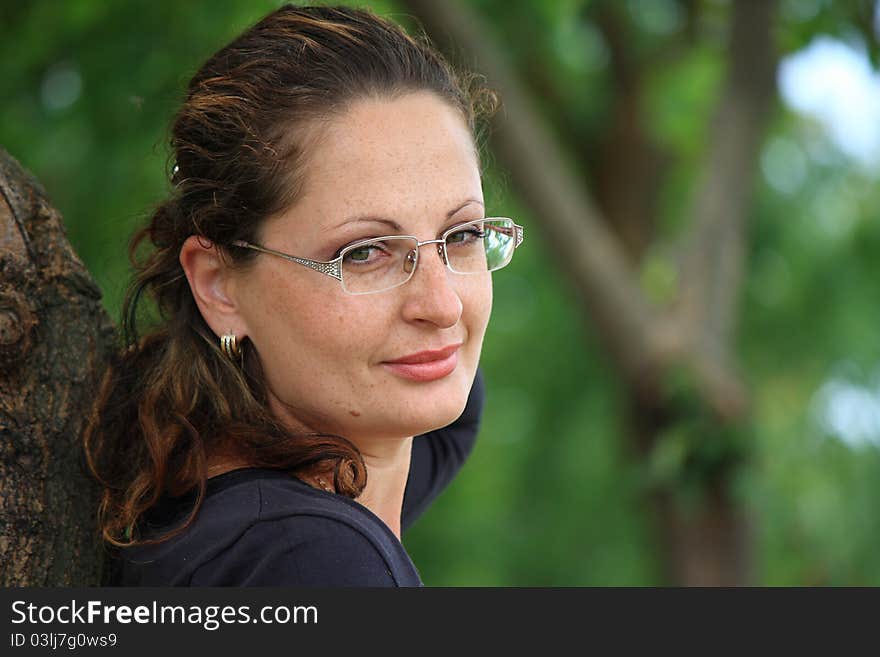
pixel 333 268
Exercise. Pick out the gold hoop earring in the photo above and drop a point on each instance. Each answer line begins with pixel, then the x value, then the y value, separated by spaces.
pixel 229 346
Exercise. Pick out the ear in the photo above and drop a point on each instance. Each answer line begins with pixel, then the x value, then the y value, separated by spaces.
pixel 210 281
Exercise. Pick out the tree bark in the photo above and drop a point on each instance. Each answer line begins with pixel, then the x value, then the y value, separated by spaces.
pixel 55 341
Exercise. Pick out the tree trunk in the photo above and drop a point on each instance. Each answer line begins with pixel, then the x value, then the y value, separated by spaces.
pixel 55 340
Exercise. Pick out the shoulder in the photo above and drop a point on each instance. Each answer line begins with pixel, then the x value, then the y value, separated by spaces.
pixel 263 528
pixel 301 550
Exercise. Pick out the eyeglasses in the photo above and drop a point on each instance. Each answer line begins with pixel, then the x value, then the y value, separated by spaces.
pixel 382 263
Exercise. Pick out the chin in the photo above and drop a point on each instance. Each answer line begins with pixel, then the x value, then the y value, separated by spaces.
pixel 436 404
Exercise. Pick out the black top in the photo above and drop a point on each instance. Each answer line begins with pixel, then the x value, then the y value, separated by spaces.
pixel 259 527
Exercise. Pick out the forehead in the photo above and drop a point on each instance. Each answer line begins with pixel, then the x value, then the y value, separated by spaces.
pixel 405 157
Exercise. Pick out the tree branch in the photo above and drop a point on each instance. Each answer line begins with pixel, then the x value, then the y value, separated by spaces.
pixel 713 260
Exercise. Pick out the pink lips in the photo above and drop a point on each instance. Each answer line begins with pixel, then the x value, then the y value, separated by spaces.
pixel 426 365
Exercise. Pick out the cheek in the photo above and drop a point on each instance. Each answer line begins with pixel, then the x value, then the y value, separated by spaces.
pixel 476 298
pixel 301 327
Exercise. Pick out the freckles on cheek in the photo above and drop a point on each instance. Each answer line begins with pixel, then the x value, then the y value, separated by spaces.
pixel 477 299
pixel 335 335
pixel 283 314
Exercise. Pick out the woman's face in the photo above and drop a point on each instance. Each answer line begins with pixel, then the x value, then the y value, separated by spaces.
pixel 408 161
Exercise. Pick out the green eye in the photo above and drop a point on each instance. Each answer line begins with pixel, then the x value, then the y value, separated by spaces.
pixel 367 254
pixel 361 254
pixel 469 235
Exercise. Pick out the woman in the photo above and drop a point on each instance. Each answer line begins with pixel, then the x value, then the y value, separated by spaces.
pixel 323 279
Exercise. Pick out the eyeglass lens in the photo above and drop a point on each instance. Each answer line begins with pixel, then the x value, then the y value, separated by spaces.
pixel 388 262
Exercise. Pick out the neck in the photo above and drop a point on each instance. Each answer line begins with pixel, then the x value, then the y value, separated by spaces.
pixel 387 464
pixel 387 472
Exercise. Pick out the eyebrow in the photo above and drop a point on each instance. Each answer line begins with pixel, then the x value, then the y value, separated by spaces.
pixel 393 224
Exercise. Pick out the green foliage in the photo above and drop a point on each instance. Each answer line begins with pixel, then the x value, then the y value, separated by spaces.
pixel 552 494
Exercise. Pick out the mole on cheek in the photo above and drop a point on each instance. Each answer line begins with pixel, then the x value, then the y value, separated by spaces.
pixel 355 413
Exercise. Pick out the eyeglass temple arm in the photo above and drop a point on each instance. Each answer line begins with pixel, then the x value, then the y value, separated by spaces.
pixel 333 268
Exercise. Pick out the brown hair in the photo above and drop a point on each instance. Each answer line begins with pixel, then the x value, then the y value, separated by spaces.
pixel 172 402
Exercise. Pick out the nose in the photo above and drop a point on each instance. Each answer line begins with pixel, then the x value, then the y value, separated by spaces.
pixel 430 294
